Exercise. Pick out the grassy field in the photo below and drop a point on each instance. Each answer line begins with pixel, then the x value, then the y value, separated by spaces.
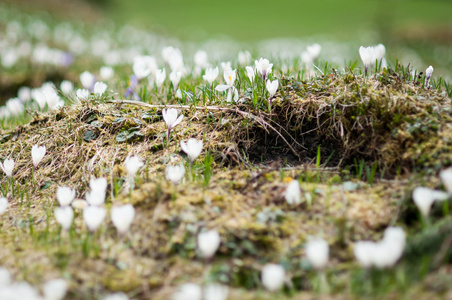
pixel 256 20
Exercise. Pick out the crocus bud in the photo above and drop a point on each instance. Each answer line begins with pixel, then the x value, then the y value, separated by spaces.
pixel 446 178
pixel 314 50
pixel 133 164
pixel 272 87
pixel 273 277
pixel 364 251
pixel 367 56
pixel 428 74
pixel 66 87
pixel 94 216
pixel 175 173
pixel 37 154
pixel 175 77
pixel 64 216
pixel 3 205
pixel 171 119
pixel 188 291
pixel 160 77
pixel 263 67
pixel 216 292
pixel 106 72
pixel 250 73
pixel 100 88
pixel 192 148
pixel 211 74
pixel 87 80
pixel 55 289
pixel 208 243
pixel 8 167
pixel 293 193
pixel 122 217
pixel 65 195
pixel 317 253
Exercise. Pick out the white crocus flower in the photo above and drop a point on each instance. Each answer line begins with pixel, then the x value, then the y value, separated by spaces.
pixel 96 196
pixel 272 87
pixel 178 94
pixel 428 74
pixel 188 291
pixel 424 197
pixel 122 217
pixel 175 173
pixel 160 77
pixel 171 119
pixel 201 59
pixel 229 76
pixel 216 292
pixel 94 216
pixel 314 51
pixel 106 72
pixel 263 67
pixel 192 148
pixel 293 193
pixel 317 251
pixel 64 216
pixel 133 164
pixel 273 277
pixel 55 289
pixel 15 106
pixel 382 254
pixel 38 95
pixel 250 73
pixel 24 93
pixel 226 65
pixel 65 195
pixel 98 184
pixel 379 52
pixel 389 250
pixel 364 251
pixel 143 66
pixel 100 88
pixel 175 77
pixel 66 87
pixel 306 58
pixel 82 94
pixel 367 55
pixel 211 75
pixel 244 57
pixel 208 243
pixel 87 79
pixel 446 178
pixel 8 167
pixel 3 205
pixel 37 154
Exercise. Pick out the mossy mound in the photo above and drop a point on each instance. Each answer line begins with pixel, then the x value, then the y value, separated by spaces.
pixel 237 186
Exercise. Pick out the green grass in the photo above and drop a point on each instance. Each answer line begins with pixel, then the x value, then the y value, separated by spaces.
pixel 255 20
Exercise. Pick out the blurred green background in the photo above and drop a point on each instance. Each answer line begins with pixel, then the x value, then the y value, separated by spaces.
pixel 246 20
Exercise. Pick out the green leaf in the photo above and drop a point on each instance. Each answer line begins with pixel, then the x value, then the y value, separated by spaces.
pixel 122 137
pixel 46 185
pixel 89 136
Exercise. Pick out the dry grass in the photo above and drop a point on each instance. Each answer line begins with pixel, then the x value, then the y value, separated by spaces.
pixel 255 156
